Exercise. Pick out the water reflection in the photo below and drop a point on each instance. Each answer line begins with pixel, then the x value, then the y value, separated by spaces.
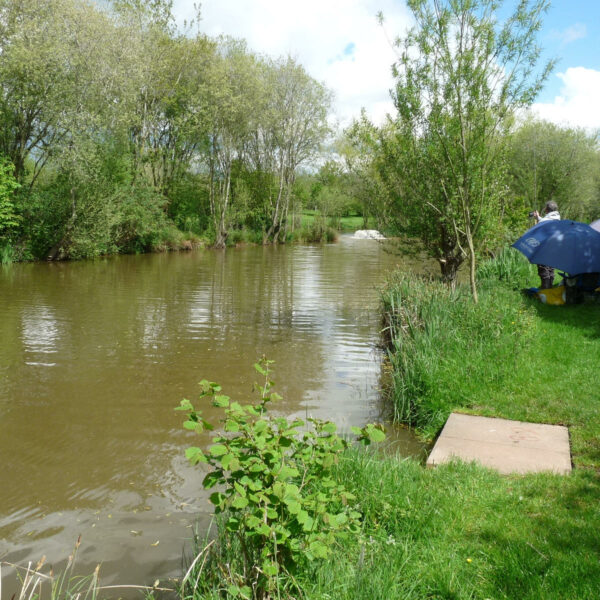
pixel 40 332
pixel 92 446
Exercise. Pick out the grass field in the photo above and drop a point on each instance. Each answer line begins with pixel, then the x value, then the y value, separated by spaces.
pixel 347 224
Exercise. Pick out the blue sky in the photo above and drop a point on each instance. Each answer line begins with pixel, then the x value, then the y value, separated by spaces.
pixel 340 43
pixel 571 34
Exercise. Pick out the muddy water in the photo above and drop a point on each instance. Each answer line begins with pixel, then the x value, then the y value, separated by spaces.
pixel 94 356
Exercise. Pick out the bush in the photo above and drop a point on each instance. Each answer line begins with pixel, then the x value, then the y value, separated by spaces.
pixel 316 231
pixel 9 220
pixel 281 507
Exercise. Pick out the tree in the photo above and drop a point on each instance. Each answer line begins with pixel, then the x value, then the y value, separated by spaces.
pixel 48 56
pixel 233 90
pixel 460 77
pixel 297 126
pixel 548 162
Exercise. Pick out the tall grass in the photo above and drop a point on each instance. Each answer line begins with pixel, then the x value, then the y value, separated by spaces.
pixel 7 254
pixel 443 347
pixel 316 231
pixel 508 267
pixel 35 584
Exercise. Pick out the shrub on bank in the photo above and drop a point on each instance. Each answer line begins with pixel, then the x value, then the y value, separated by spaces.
pixel 280 508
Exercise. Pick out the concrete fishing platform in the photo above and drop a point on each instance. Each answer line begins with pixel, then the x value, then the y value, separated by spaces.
pixel 508 446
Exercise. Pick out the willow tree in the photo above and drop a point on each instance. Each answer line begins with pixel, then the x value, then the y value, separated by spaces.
pixel 460 77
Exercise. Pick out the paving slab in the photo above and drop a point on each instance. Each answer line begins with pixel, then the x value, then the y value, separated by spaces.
pixel 508 446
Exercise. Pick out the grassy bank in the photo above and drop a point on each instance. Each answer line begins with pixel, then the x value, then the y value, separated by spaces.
pixel 461 531
pixel 508 356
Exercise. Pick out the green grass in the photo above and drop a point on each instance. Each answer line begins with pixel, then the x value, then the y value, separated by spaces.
pixel 509 356
pixel 347 224
pixel 464 532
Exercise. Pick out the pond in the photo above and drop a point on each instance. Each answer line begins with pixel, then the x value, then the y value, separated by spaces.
pixel 95 356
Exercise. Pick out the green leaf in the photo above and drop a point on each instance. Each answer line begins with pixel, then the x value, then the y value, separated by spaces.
pixel 185 404
pixel 218 450
pixel 287 472
pixel 319 549
pixel 230 462
pixel 375 433
pixel 232 426
pixel 193 426
pixel 329 427
pixel 260 426
pixel 240 502
pixel 307 522
pixel 270 568
pixel 292 490
pixel 218 499
pixel 195 455
pixel 233 524
pixel 221 401
pixel 212 479
pixel 253 522
pixel 293 505
pixel 240 489
pixel 279 489
pixel 243 592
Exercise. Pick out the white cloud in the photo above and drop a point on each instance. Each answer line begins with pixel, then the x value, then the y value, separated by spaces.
pixel 570 34
pixel 339 42
pixel 577 105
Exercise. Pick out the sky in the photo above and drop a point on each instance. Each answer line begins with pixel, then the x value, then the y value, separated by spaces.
pixel 341 44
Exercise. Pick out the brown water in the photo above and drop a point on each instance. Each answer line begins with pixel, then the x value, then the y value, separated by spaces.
pixel 94 356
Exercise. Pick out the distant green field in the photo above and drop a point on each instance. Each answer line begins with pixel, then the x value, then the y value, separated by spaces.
pixel 344 224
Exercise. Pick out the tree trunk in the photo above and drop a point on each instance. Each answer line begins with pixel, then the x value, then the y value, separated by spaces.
pixel 449 266
pixel 472 265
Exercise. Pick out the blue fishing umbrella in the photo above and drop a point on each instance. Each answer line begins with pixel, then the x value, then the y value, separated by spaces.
pixel 567 245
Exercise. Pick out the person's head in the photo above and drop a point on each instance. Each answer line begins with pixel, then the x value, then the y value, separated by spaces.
pixel 551 206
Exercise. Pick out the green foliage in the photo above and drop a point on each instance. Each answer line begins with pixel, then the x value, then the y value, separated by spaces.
pixel 317 229
pixel 9 220
pixel 275 488
pixel 548 162
pixel 119 125
pixel 510 267
pixel 442 348
pixel 461 75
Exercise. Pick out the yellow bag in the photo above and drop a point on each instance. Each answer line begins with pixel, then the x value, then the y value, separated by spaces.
pixel 555 296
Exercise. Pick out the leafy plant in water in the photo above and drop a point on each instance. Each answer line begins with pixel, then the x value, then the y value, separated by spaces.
pixel 274 486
